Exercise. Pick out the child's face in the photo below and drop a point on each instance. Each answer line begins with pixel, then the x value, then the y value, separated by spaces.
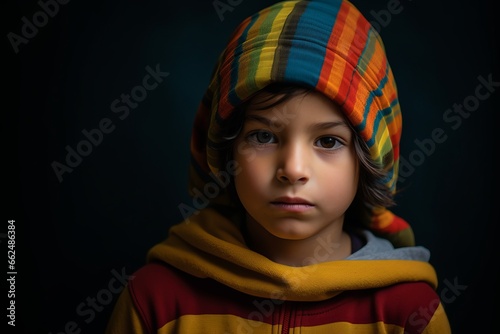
pixel 299 170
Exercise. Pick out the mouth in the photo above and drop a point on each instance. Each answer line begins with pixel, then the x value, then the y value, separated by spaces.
pixel 292 204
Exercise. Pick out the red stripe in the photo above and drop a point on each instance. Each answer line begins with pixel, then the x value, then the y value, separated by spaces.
pixel 393 305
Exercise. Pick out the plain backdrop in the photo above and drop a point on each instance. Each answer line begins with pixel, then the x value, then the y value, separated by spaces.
pixel 77 236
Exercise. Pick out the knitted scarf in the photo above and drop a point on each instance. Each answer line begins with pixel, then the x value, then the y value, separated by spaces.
pixel 326 45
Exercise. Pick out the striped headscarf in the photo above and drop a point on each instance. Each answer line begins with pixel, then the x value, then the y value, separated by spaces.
pixel 326 45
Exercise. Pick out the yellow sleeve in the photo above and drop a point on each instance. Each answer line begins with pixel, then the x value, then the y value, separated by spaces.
pixel 439 323
pixel 124 318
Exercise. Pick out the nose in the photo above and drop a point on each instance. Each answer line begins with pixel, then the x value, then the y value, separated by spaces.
pixel 293 166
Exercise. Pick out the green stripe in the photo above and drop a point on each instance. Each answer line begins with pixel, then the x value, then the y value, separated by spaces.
pixel 265 29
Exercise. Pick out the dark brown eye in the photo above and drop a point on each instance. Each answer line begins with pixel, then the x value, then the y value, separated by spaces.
pixel 328 142
pixel 261 137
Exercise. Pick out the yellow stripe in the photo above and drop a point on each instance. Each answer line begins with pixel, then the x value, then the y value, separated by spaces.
pixel 125 319
pixel 218 324
pixel 439 322
pixel 347 327
pixel 229 324
pixel 382 137
pixel 269 48
pixel 266 51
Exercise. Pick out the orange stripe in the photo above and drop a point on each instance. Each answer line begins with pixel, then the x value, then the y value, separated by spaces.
pixel 325 78
pixel 349 89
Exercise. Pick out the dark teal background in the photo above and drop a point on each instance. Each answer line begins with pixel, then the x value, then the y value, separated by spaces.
pixel 123 196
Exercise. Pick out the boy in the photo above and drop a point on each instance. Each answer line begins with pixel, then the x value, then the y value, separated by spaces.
pixel 296 145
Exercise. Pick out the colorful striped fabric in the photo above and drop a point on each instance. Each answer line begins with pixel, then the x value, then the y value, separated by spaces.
pixel 327 45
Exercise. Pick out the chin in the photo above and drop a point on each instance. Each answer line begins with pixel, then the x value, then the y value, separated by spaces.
pixel 291 231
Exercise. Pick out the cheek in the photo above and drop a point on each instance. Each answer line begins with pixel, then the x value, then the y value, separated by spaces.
pixel 344 177
pixel 252 177
pixel 252 171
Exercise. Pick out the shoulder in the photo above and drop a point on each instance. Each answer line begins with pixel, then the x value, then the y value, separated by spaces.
pixel 154 289
pixel 410 303
pixel 157 280
pixel 154 275
pixel 420 306
pixel 414 306
pixel 407 296
pixel 162 293
pixel 398 300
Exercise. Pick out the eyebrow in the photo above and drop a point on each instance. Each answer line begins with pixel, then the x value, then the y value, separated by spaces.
pixel 329 125
pixel 316 126
pixel 259 119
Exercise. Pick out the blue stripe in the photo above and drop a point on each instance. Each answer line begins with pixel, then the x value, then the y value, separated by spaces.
pixel 389 177
pixel 384 113
pixel 314 47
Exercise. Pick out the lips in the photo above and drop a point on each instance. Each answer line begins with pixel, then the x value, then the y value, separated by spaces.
pixel 292 204
pixel 291 200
